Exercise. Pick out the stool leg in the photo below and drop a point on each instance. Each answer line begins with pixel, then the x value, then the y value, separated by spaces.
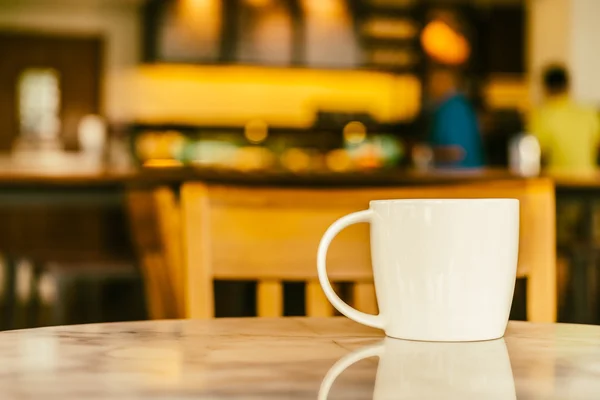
pixel 34 306
pixel 59 309
pixel 92 300
pixel 10 294
pixel 97 300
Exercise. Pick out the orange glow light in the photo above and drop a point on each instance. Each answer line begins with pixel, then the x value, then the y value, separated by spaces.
pixel 162 163
pixel 295 160
pixel 443 44
pixel 256 131
pixel 355 132
pixel 338 160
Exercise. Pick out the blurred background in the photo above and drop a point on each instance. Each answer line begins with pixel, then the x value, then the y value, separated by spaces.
pixel 100 99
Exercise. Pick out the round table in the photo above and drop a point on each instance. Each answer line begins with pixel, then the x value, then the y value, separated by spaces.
pixel 293 358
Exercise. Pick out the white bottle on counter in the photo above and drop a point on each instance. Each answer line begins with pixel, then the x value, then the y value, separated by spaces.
pixel 525 155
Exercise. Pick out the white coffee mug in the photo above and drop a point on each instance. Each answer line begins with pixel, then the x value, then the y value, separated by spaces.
pixel 423 370
pixel 444 270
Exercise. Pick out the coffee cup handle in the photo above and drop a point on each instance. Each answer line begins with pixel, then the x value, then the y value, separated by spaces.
pixel 343 363
pixel 375 321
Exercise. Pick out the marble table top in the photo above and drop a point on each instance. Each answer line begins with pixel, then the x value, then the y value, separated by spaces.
pixel 293 358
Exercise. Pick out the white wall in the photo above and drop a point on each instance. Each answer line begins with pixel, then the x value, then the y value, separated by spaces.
pixel 549 32
pixel 116 20
pixel 566 31
pixel 585 50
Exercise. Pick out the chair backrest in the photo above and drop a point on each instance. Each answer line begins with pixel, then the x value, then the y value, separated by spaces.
pixel 148 243
pixel 154 216
pixel 271 235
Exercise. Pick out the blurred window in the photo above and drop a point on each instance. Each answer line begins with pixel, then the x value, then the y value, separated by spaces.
pixel 39 103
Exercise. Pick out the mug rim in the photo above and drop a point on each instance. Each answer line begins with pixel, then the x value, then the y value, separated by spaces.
pixel 446 201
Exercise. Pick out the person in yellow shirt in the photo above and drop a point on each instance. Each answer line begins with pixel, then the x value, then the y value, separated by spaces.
pixel 569 133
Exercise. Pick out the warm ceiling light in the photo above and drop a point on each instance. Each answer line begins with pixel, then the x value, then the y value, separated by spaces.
pixel 323 7
pixel 198 3
pixel 443 44
pixel 259 3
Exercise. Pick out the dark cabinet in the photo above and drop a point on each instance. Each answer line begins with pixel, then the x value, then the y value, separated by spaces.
pixel 504 40
pixel 264 31
pixel 307 33
pixel 329 34
pixel 373 34
pixel 183 31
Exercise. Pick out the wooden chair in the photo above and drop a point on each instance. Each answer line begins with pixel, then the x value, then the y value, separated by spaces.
pixel 154 219
pixel 271 235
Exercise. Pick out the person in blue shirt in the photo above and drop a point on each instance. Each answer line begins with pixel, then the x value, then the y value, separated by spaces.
pixel 454 134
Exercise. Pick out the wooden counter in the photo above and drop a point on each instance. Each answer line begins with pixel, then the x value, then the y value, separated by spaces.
pixel 176 175
pixel 145 176
pixel 101 191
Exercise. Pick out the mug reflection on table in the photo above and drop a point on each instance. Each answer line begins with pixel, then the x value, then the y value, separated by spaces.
pixel 427 370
